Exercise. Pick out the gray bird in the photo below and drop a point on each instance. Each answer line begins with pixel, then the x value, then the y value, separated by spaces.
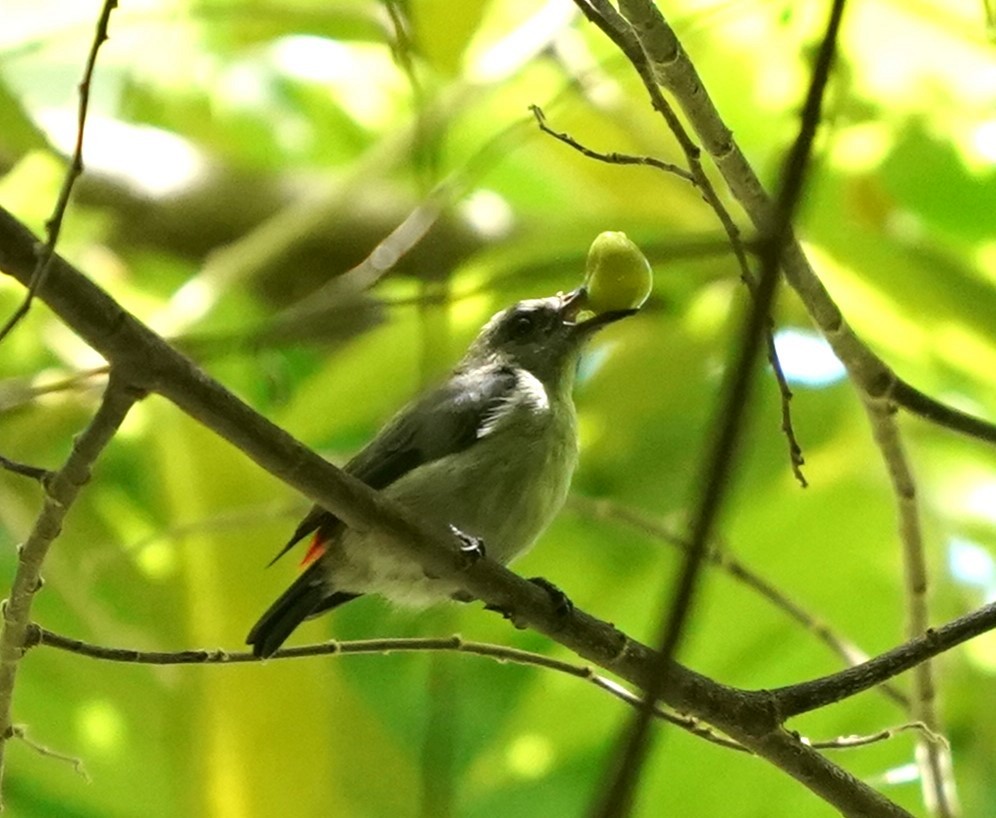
pixel 490 453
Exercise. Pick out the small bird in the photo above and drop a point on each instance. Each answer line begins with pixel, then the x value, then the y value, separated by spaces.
pixel 489 453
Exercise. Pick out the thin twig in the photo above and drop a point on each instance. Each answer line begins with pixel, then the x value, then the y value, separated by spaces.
pixel 61 491
pixel 796 459
pixel 940 414
pixel 610 158
pixel 54 224
pixel 502 654
pixel 850 742
pixel 622 33
pixel 617 800
pixel 34 472
pixel 403 48
pixel 17 392
pixel 933 759
pixel 721 557
pixel 805 697
pixel 19 731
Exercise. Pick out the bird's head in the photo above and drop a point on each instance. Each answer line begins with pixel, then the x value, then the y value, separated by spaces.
pixel 542 335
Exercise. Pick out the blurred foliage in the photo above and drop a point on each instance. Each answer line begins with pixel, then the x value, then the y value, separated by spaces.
pixel 243 154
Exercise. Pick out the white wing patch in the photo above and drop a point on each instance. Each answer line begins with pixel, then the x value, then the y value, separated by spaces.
pixel 529 395
pixel 531 391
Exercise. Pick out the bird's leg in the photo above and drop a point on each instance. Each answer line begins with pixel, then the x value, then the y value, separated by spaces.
pixel 471 547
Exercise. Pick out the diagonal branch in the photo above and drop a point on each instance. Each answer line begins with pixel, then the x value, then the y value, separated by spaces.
pixel 674 71
pixel 61 491
pixel 812 695
pixel 718 468
pixel 747 717
pixel 632 45
pixel 719 556
pixel 54 224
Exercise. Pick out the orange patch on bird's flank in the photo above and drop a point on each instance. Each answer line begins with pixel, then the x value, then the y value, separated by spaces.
pixel 315 550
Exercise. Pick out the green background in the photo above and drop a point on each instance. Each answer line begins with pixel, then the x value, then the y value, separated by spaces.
pixel 241 155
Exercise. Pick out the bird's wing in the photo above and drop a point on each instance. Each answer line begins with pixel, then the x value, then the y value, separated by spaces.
pixel 444 421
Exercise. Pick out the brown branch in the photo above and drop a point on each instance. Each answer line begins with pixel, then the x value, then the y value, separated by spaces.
pixel 610 158
pixel 747 717
pixel 933 758
pixel 796 458
pixel 913 400
pixel 61 491
pixel 54 224
pixel 500 653
pixel 718 467
pixel 25 470
pixel 720 556
pixel 812 695
pixel 632 45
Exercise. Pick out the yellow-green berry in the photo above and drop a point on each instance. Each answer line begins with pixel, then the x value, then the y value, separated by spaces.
pixel 618 275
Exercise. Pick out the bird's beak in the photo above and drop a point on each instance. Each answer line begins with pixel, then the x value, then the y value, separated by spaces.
pixel 574 302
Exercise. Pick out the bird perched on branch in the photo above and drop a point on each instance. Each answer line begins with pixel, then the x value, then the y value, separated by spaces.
pixel 489 452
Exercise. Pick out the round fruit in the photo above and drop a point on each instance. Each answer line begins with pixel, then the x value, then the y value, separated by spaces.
pixel 618 275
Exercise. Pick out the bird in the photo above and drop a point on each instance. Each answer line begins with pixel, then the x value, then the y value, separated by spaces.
pixel 489 453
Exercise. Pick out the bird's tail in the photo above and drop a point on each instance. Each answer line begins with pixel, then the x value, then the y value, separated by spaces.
pixel 307 596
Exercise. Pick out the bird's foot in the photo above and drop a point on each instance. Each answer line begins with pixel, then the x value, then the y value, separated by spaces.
pixel 506 613
pixel 562 604
pixel 472 548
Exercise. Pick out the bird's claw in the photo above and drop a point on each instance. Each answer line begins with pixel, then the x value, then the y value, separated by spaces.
pixel 472 548
pixel 506 613
pixel 562 604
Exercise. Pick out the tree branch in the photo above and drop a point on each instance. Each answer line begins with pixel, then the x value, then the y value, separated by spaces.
pixel 720 556
pixel 20 732
pixel 609 158
pixel 40 636
pixel 801 698
pixel 747 717
pixel 718 467
pixel 933 758
pixel 43 476
pixel 54 224
pixel 61 491
pixel 631 43
pixel 500 653
pixel 674 71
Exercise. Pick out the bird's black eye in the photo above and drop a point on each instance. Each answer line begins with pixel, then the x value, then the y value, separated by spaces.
pixel 523 325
